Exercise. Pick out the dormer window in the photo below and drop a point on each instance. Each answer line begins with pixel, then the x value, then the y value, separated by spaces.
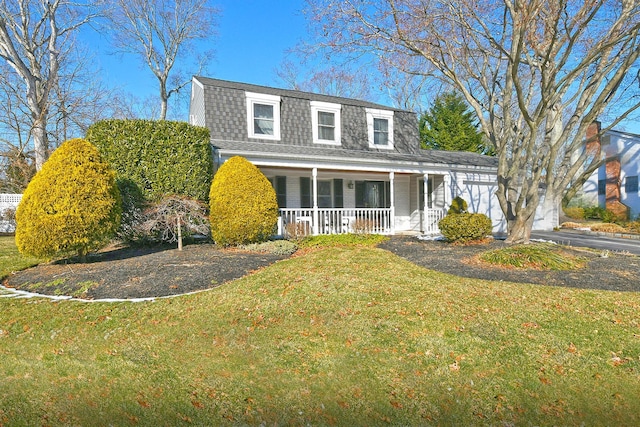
pixel 263 116
pixel 325 120
pixel 380 128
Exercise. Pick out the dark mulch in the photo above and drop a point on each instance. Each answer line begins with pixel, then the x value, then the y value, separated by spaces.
pixel 162 271
pixel 142 272
pixel 616 272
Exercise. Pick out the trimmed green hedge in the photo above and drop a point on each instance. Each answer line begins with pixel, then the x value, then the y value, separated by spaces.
pixel 160 157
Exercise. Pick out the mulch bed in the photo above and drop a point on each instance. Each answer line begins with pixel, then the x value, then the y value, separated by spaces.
pixel 143 272
pixel 615 272
pixel 162 271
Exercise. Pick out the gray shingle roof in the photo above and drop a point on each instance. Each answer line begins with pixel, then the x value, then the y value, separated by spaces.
pixel 292 93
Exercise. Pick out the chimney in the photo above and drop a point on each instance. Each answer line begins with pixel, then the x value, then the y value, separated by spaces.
pixel 594 145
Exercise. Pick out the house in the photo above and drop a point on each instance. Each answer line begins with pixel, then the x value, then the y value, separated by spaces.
pixel 615 184
pixel 339 164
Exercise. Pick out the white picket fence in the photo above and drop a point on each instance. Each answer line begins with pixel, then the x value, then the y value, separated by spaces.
pixel 8 201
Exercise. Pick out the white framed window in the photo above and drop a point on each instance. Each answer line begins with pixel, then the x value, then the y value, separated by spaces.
pixel 380 128
pixel 326 123
pixel 263 116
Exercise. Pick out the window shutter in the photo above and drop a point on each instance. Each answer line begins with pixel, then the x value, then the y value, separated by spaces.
pixel 360 194
pixel 305 192
pixel 631 184
pixel 387 194
pixel 602 187
pixel 281 191
pixel 338 199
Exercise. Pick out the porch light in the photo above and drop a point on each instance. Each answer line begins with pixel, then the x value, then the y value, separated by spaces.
pixel 350 184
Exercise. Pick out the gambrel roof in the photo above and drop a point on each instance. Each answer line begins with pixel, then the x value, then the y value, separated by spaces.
pixel 226 117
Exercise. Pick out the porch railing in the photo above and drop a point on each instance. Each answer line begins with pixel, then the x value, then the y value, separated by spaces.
pixel 335 221
pixel 431 219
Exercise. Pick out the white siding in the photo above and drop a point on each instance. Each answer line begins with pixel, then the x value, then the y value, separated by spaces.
pixel 479 190
pixel 196 106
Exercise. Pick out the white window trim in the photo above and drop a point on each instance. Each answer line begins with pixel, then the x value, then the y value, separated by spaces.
pixel 264 99
pixel 373 113
pixel 327 107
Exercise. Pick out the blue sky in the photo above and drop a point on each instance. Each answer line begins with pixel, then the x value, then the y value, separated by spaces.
pixel 252 39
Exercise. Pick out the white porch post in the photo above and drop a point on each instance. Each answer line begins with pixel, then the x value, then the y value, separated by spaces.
pixel 447 191
pixel 315 201
pixel 425 206
pixel 392 202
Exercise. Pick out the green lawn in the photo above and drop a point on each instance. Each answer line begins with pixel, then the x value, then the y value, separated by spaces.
pixel 337 336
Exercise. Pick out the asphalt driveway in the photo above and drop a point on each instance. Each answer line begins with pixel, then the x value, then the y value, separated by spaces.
pixel 581 239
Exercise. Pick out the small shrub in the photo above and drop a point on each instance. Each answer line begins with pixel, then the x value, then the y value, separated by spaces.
pixel 634 226
pixel 599 213
pixel 574 212
pixel 544 256
pixel 573 225
pixel 274 247
pixel 363 226
pixel 296 230
pixel 465 227
pixel 71 207
pixel 458 206
pixel 244 208
pixel 608 228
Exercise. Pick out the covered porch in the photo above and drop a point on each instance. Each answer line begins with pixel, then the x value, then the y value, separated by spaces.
pixel 319 201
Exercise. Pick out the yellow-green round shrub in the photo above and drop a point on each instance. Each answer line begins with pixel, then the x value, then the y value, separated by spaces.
pixel 72 205
pixel 574 212
pixel 465 227
pixel 244 208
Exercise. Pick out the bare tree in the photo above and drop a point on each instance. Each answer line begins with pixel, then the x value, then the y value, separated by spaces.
pixel 75 101
pixel 162 32
pixel 536 72
pixel 333 80
pixel 33 37
pixel 174 216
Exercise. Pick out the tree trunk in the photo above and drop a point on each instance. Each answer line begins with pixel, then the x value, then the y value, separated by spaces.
pixel 179 233
pixel 519 230
pixel 519 224
pixel 40 142
pixel 164 97
pixel 163 109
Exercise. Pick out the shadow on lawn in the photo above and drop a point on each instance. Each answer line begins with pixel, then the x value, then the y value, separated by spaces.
pixel 116 254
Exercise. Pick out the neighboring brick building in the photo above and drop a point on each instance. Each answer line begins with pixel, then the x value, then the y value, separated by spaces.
pixel 615 184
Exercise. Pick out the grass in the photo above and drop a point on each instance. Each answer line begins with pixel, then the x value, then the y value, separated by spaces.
pixel 77 291
pixel 336 336
pixel 342 240
pixel 539 256
pixel 10 258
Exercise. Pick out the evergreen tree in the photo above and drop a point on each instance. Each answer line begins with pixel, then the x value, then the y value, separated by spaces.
pixel 71 207
pixel 243 204
pixel 450 125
